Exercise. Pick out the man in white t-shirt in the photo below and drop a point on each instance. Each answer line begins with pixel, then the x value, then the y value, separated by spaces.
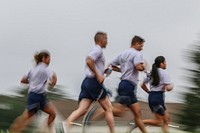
pixel 92 88
pixel 129 63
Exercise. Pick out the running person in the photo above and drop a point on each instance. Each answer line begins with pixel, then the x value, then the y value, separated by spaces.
pixel 129 63
pixel 92 88
pixel 38 79
pixel 159 83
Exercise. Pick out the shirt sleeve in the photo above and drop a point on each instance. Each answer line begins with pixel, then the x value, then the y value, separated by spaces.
pixel 49 73
pixel 138 59
pixel 116 61
pixel 27 75
pixel 166 77
pixel 94 54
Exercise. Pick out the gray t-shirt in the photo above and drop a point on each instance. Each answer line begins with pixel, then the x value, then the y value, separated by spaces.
pixel 96 53
pixel 164 80
pixel 38 78
pixel 127 62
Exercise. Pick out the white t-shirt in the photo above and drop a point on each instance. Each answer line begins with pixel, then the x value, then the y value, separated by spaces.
pixel 127 61
pixel 96 53
pixel 164 80
pixel 38 78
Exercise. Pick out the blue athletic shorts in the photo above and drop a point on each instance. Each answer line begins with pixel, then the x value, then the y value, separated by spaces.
pixel 157 102
pixel 36 102
pixel 91 89
pixel 126 93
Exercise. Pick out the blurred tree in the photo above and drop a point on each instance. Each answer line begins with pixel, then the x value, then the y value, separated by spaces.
pixel 190 114
pixel 13 106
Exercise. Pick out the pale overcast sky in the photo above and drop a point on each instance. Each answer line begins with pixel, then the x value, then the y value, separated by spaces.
pixel 66 28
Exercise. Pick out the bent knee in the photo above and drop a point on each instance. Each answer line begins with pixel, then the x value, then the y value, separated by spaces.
pixel 52 114
pixel 108 109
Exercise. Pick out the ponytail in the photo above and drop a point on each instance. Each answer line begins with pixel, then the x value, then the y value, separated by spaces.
pixel 155 78
pixel 36 57
pixel 40 55
pixel 154 75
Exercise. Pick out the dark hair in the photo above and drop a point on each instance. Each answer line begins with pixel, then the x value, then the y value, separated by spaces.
pixel 137 39
pixel 154 72
pixel 98 36
pixel 39 56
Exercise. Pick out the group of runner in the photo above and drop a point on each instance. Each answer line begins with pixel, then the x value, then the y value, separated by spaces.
pixel 129 63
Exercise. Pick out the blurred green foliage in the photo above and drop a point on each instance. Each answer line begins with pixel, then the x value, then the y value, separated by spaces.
pixel 190 114
pixel 13 106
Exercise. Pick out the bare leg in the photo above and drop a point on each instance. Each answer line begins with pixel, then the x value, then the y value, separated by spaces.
pixel 99 114
pixel 20 122
pixel 165 122
pixel 49 109
pixel 156 121
pixel 82 109
pixel 117 109
pixel 159 120
pixel 106 105
pixel 135 108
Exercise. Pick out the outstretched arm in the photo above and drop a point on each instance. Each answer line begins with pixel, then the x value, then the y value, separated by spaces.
pixel 111 68
pixel 115 68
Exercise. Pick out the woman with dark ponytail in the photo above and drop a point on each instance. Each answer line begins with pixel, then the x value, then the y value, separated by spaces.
pixel 159 83
pixel 38 78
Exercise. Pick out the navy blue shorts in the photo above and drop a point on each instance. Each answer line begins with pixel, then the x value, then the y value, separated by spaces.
pixel 91 89
pixel 126 93
pixel 157 102
pixel 36 102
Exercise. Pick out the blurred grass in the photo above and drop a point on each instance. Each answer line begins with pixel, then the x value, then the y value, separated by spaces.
pixel 13 106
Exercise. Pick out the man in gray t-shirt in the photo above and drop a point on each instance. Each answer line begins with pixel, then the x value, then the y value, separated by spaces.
pixel 129 63
pixel 92 88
